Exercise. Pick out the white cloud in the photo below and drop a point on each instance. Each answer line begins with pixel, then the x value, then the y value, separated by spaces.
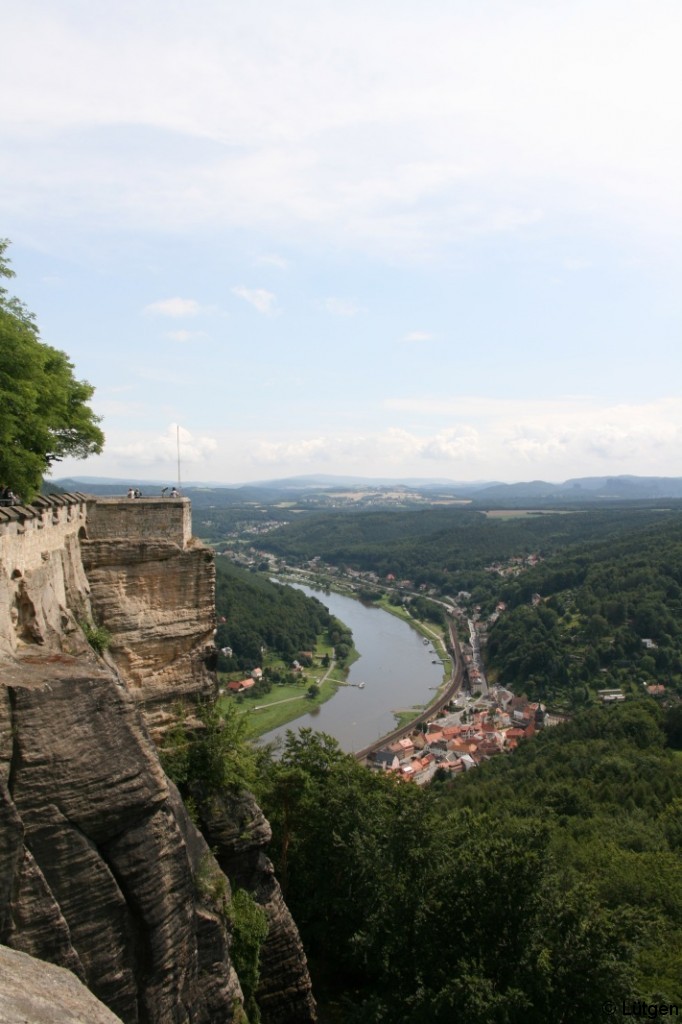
pixel 186 336
pixel 259 298
pixel 508 439
pixel 342 307
pixel 273 260
pixel 384 128
pixel 162 450
pixel 417 336
pixel 175 307
pixel 303 450
pixel 395 447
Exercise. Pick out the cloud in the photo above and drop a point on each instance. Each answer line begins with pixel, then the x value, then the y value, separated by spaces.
pixel 303 450
pixel 259 298
pixel 306 118
pixel 273 260
pixel 186 336
pixel 342 307
pixel 162 450
pixel 452 445
pixel 175 307
pixel 417 336
pixel 394 447
pixel 506 439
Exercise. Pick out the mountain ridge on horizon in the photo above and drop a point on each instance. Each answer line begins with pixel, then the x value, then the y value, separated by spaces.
pixel 620 486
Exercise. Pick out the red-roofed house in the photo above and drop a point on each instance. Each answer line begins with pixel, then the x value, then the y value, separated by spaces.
pixel 451 732
pixel 239 687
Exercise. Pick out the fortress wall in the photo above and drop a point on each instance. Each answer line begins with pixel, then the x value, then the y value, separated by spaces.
pixel 30 534
pixel 140 519
pixel 129 565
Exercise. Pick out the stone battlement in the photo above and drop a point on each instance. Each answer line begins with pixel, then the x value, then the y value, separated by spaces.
pixel 29 533
pixel 140 519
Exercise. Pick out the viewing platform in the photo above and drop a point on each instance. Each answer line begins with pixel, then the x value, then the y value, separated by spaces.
pixel 140 519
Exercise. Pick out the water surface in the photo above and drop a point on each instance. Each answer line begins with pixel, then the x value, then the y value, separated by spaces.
pixel 395 665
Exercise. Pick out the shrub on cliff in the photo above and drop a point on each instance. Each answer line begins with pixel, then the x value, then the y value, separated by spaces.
pixel 44 411
pixel 203 762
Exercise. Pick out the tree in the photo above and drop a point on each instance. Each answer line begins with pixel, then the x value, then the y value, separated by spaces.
pixel 44 415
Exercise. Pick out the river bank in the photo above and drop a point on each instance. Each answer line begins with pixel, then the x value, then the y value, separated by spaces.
pixel 270 714
pixel 288 701
pixel 395 669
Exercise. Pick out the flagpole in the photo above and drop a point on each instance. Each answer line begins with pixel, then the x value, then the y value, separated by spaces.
pixel 177 434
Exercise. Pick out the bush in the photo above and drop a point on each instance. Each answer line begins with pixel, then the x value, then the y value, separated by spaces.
pixel 249 929
pixel 98 637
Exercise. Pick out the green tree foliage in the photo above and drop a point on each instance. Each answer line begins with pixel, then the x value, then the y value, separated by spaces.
pixel 535 888
pixel 207 758
pixel 448 548
pixel 261 615
pixel 609 615
pixel 44 411
pixel 249 930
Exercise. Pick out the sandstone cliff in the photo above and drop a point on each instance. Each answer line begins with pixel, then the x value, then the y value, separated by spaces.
pixel 100 865
pixel 153 587
pixel 34 992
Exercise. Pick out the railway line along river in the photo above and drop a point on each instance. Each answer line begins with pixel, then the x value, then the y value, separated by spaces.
pixel 394 664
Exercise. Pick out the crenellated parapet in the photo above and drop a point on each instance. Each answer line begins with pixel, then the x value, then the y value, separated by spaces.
pixel 29 532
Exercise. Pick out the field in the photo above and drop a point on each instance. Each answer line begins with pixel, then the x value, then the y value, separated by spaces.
pixel 287 702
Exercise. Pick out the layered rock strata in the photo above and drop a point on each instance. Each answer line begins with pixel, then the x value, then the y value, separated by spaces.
pixel 157 602
pixel 238 834
pixel 34 992
pixel 99 874
pixel 154 588
pixel 100 866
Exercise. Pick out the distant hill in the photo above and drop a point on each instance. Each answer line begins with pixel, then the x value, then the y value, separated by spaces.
pixel 607 488
pixel 597 488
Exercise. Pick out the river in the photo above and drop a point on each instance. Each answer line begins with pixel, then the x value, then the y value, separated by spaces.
pixel 394 664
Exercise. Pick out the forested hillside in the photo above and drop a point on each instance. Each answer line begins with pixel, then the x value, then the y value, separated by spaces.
pixel 544 884
pixel 535 889
pixel 263 616
pixel 447 548
pixel 610 616
pixel 608 610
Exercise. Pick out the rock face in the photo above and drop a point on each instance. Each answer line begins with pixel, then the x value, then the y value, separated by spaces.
pixel 238 832
pixel 103 877
pixel 34 992
pixel 101 868
pixel 158 603
pixel 154 587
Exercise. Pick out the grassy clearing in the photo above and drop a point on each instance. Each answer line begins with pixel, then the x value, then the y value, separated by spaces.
pixel 288 701
pixel 521 513
pixel 405 715
pixel 262 717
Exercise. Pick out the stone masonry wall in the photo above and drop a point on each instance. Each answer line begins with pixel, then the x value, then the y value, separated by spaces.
pixel 39 563
pixel 27 533
pixel 136 571
pixel 140 519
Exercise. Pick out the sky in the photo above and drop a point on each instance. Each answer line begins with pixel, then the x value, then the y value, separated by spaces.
pixel 436 239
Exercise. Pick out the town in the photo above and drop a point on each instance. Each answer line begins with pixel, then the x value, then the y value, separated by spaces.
pixel 473 730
